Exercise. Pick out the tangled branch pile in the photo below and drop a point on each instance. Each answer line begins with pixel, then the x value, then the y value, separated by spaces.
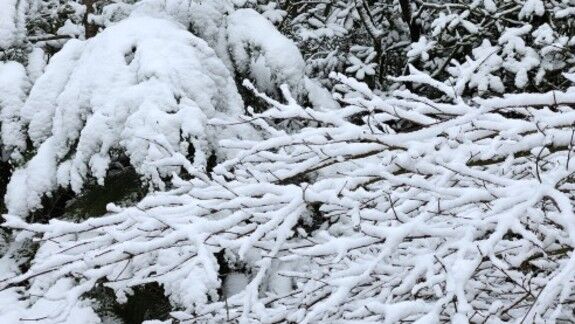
pixel 465 214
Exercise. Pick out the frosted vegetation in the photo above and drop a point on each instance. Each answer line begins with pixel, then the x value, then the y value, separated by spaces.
pixel 253 161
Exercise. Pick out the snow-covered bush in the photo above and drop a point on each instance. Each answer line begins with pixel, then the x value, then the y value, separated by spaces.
pixel 246 41
pixel 123 91
pixel 146 92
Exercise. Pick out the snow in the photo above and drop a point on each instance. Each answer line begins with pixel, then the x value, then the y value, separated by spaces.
pixel 14 86
pixel 12 22
pixel 452 21
pixel 70 29
pixel 259 51
pixel 518 58
pixel 36 64
pixel 319 97
pixel 245 40
pixel 234 283
pixel 480 71
pixel 489 5
pixel 532 7
pixel 420 49
pixel 361 69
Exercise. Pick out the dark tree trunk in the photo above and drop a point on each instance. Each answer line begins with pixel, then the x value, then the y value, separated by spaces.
pixel 90 29
pixel 414 31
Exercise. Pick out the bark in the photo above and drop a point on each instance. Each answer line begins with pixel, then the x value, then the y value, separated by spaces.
pixel 414 31
pixel 90 29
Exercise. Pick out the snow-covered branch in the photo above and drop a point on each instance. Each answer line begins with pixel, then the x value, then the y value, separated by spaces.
pixel 464 212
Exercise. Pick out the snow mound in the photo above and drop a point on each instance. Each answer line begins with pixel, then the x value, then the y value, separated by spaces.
pixel 144 87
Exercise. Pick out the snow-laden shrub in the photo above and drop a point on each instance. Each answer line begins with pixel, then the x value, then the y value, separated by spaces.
pixel 144 87
pixel 146 92
pixel 246 41
pixel 465 216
